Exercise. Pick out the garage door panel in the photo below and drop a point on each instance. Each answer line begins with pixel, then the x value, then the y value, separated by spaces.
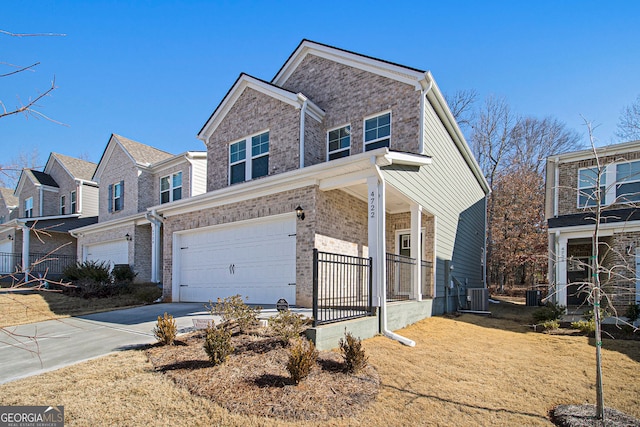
pixel 114 252
pixel 255 260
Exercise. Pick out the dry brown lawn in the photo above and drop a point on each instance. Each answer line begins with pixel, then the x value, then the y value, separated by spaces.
pixel 465 371
pixel 19 308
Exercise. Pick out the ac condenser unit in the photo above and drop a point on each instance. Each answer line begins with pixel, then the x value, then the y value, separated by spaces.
pixel 478 299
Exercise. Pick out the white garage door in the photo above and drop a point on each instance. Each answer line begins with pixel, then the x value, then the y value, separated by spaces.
pixel 115 252
pixel 254 259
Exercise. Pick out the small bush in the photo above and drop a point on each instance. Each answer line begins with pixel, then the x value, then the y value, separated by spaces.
pixel 550 325
pixel 233 309
pixel 550 311
pixel 287 326
pixel 633 312
pixel 217 344
pixel 302 358
pixel 145 292
pixel 354 357
pixel 123 273
pixel 165 330
pixel 585 326
pixel 95 271
pixel 87 288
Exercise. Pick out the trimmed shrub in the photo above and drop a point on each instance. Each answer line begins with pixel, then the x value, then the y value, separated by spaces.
pixel 550 311
pixel 354 356
pixel 302 358
pixel 123 273
pixel 217 344
pixel 550 325
pixel 585 326
pixel 165 330
pixel 633 312
pixel 233 309
pixel 88 270
pixel 287 326
pixel 87 288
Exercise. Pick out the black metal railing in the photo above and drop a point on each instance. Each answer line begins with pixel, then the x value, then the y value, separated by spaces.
pixel 427 279
pixel 399 277
pixel 40 264
pixel 342 286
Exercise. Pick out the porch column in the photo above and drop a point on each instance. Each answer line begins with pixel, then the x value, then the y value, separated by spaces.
pixel 376 237
pixel 416 251
pixel 561 269
pixel 26 234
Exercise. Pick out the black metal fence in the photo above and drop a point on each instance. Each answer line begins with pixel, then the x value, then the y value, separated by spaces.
pixel 342 287
pixel 399 274
pixel 40 264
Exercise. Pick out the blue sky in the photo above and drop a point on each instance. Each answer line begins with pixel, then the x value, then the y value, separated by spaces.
pixel 154 71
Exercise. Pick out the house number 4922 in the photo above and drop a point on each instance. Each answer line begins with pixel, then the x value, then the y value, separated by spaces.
pixel 372 205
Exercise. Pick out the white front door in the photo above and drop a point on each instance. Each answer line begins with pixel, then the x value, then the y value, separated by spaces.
pixel 6 257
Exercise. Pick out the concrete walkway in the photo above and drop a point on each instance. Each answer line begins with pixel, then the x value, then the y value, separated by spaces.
pixel 63 342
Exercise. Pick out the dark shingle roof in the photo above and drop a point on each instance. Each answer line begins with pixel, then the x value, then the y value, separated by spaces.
pixel 80 169
pixel 42 178
pixel 141 153
pixel 62 225
pixel 588 218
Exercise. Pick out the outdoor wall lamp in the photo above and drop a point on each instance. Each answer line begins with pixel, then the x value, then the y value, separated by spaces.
pixel 300 212
pixel 10 237
pixel 128 237
pixel 629 249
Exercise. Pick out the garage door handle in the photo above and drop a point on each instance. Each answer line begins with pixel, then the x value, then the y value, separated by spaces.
pixel 183 286
pixel 292 284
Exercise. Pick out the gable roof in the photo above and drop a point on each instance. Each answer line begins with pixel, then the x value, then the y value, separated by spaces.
pixel 10 200
pixel 40 178
pixel 76 168
pixel 245 81
pixel 402 73
pixel 141 155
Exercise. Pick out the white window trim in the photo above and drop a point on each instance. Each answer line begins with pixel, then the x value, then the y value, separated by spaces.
pixel 113 197
pixel 614 173
pixel 364 132
pixel 74 202
pixel 171 187
pixel 63 205
pixel 248 156
pixel 341 149
pixel 28 213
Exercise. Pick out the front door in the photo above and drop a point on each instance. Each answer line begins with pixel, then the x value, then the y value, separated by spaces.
pixel 577 281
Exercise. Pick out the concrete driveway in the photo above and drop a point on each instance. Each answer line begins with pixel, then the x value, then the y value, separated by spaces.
pixel 64 342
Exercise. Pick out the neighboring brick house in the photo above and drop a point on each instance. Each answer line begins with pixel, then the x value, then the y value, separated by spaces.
pixel 134 177
pixel 49 204
pixel 570 198
pixel 369 152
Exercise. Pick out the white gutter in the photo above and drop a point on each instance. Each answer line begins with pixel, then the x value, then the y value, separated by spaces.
pixel 156 243
pixel 555 186
pixel 381 267
pixel 303 111
pixel 41 201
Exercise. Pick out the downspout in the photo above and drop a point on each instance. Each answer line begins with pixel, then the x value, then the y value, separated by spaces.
pixel 556 171
pixel 79 185
pixel 382 283
pixel 156 242
pixel 423 100
pixel 484 250
pixel 303 112
pixel 40 212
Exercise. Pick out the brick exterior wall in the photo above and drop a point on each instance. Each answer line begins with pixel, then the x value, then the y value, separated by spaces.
pixel 348 95
pixel 29 190
pixel 252 113
pixel 66 185
pixel 402 221
pixel 183 167
pixel 120 167
pixel 568 181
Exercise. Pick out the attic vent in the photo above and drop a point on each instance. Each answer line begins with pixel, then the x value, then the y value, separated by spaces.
pixel 478 299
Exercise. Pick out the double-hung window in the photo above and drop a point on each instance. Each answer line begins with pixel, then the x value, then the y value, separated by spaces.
pixel 339 142
pixel 74 202
pixel 628 182
pixel 28 208
pixel 587 187
pixel 377 132
pixel 171 188
pixel 116 197
pixel 63 205
pixel 243 165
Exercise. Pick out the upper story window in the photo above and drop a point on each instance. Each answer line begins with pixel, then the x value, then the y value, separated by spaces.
pixel 241 166
pixel 377 132
pixel 628 182
pixel 2 219
pixel 74 202
pixel 587 187
pixel 171 188
pixel 28 208
pixel 116 197
pixel 339 142
pixel 63 205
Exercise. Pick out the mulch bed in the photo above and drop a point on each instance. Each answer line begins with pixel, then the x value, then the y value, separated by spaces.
pixel 254 379
pixel 585 416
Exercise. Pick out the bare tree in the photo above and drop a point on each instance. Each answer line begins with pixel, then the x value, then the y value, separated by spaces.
pixel 629 122
pixel 10 172
pixel 461 105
